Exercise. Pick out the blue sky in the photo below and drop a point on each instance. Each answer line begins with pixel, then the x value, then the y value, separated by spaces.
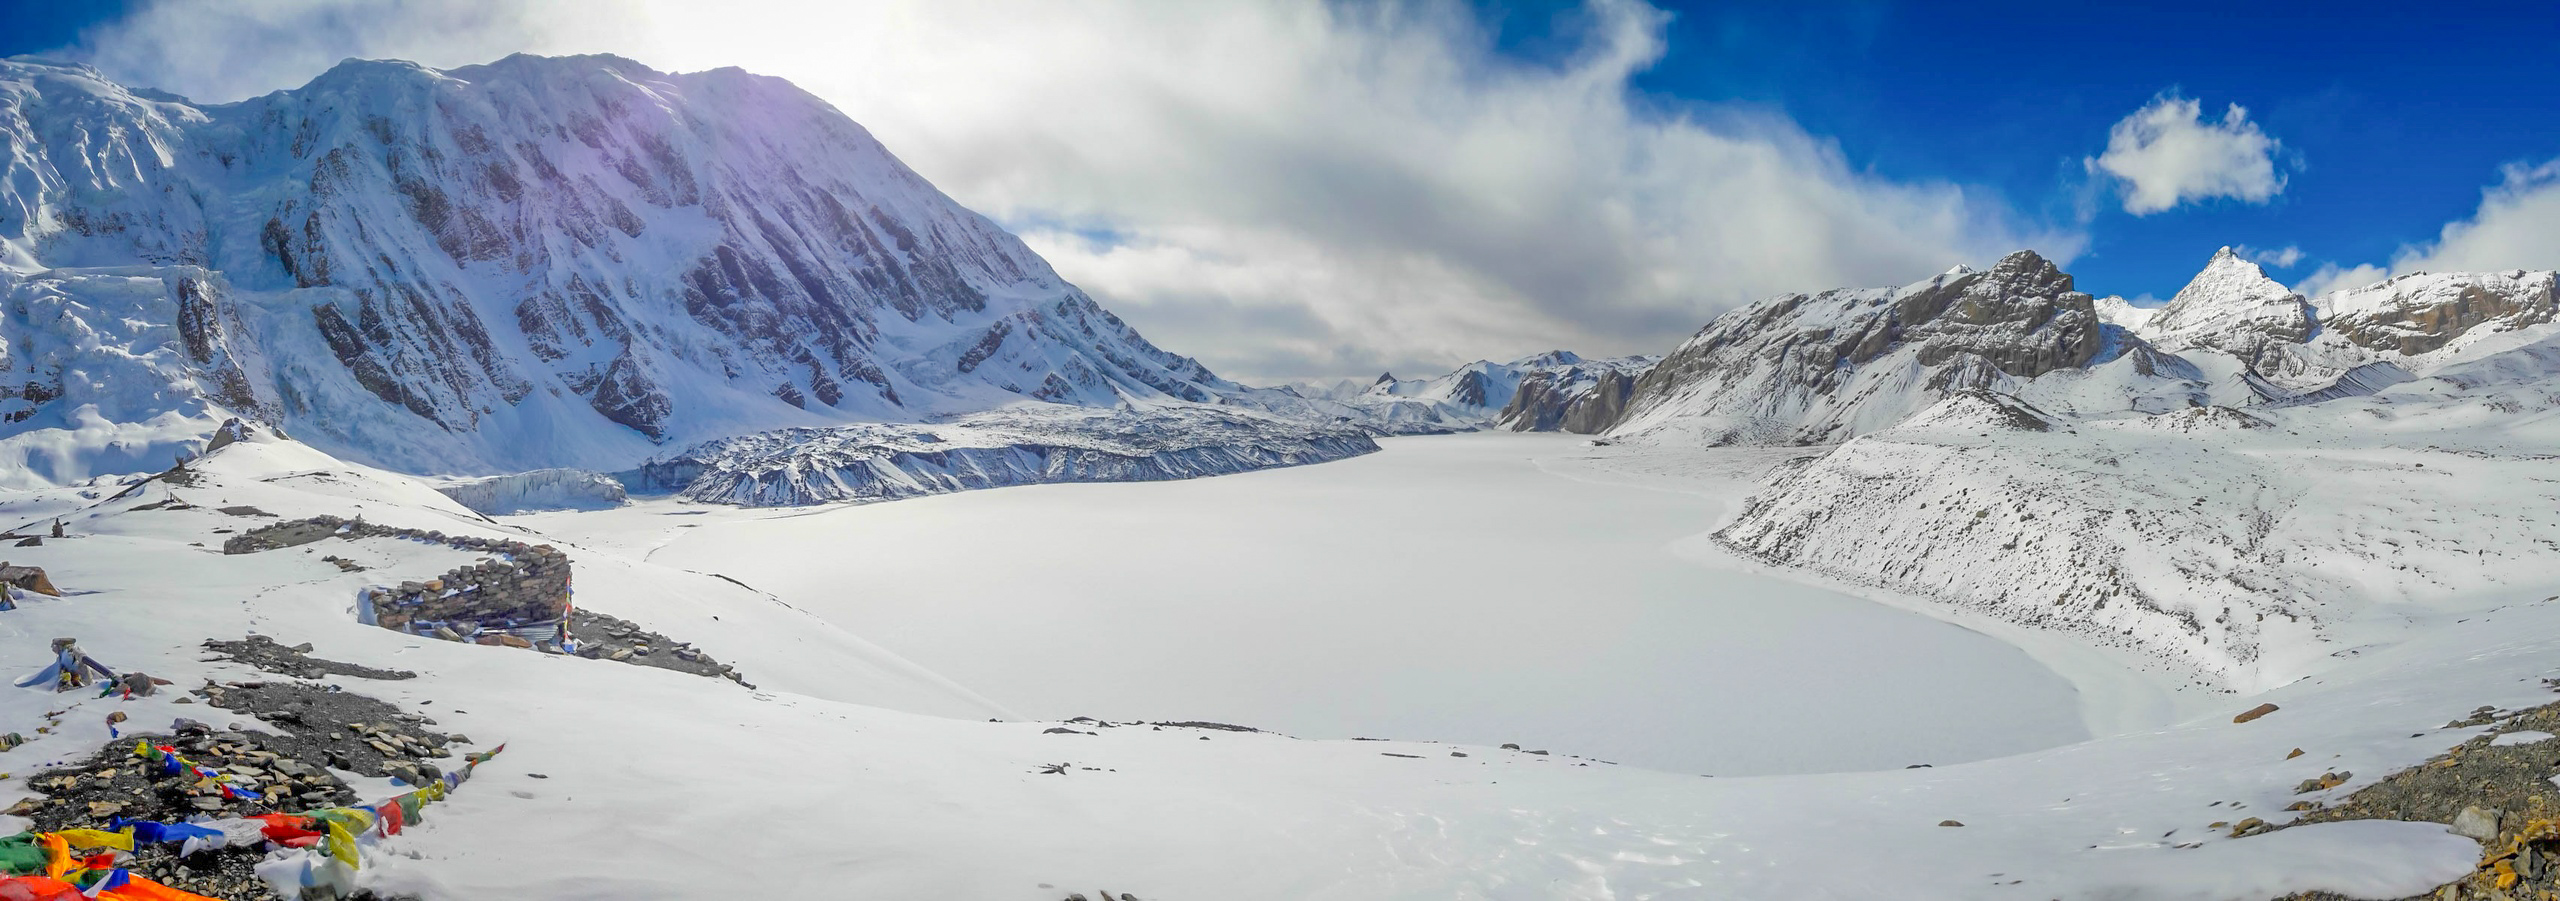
pixel 1293 191
pixel 2392 118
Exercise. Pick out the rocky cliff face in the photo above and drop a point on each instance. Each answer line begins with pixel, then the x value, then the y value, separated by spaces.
pixel 2423 312
pixel 539 261
pixel 1811 368
pixel 1582 400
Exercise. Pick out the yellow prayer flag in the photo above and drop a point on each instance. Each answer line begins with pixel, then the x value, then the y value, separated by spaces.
pixel 92 838
pixel 342 844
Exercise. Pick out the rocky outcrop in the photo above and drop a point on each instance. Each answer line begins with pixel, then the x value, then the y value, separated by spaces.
pixel 1575 401
pixel 2423 312
pixel 1813 368
pixel 1015 447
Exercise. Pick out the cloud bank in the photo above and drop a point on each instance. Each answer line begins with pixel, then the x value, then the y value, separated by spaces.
pixel 2517 226
pixel 1285 189
pixel 2167 153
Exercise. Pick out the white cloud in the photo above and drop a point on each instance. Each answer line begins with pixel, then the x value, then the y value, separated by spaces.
pixel 1290 189
pixel 2166 154
pixel 2517 226
pixel 2333 277
pixel 2285 257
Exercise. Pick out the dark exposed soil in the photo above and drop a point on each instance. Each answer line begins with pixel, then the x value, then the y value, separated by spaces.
pixel 264 653
pixel 340 729
pixel 603 637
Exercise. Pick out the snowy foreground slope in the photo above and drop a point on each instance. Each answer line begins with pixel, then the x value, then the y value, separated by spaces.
pixel 831 779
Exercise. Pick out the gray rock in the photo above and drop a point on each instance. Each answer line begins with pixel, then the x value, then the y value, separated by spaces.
pixel 2476 824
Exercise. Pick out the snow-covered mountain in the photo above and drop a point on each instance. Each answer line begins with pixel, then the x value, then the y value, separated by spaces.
pixel 1571 394
pixel 1560 386
pixel 1819 368
pixel 1822 368
pixel 2217 484
pixel 2232 306
pixel 539 262
pixel 2293 347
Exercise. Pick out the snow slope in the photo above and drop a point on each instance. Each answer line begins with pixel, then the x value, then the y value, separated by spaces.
pixel 538 262
pixel 663 785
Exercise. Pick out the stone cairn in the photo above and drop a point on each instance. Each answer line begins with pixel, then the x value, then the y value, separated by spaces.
pixel 518 597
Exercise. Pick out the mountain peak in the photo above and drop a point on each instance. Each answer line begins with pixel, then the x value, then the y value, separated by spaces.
pixel 1550 358
pixel 2023 257
pixel 2233 306
pixel 837 283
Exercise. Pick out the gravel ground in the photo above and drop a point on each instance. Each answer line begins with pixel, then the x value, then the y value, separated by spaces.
pixel 2505 789
pixel 603 637
pixel 264 653
pixel 322 733
pixel 339 729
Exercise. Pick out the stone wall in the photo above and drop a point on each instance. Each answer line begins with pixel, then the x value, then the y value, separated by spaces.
pixel 518 595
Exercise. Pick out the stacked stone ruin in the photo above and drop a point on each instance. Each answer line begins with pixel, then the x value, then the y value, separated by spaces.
pixel 518 596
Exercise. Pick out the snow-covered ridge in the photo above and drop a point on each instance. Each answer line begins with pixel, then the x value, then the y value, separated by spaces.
pixel 1818 368
pixel 1823 368
pixel 537 262
pixel 1022 446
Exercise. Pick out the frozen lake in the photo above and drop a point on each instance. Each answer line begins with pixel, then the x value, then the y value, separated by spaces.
pixel 1475 588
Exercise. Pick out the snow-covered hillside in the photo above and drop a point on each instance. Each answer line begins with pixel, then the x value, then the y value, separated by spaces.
pixel 538 262
pixel 2220 484
pixel 2228 543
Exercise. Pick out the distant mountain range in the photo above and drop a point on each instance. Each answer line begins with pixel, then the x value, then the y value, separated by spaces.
pixel 1825 367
